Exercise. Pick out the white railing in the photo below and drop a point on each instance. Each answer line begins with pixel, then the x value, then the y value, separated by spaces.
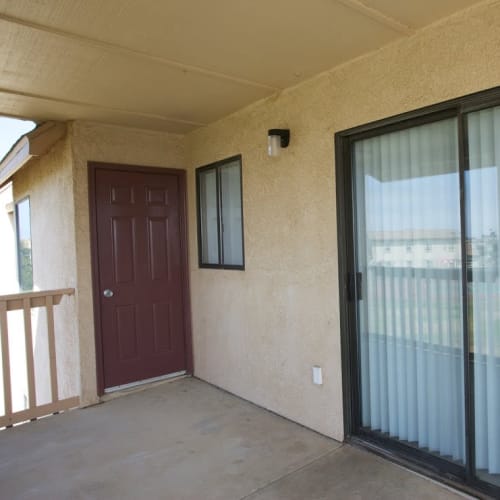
pixel 26 302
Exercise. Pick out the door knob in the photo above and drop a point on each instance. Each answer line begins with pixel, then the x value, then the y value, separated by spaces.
pixel 108 293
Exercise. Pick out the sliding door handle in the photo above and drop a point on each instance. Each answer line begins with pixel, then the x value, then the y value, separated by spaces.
pixel 354 286
pixel 359 286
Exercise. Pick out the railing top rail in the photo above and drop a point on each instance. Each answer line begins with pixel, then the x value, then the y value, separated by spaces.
pixel 42 293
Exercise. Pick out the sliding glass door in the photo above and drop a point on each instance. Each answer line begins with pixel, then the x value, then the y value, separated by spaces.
pixel 482 181
pixel 410 318
pixel 424 289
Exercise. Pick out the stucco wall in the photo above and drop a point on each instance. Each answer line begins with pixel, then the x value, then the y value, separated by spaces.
pixel 48 183
pixel 96 142
pixel 8 258
pixel 257 333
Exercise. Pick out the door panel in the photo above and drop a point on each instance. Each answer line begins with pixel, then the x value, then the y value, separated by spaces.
pixel 126 332
pixel 162 327
pixel 158 251
pixel 139 260
pixel 123 231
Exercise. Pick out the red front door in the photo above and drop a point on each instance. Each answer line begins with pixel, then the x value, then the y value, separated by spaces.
pixel 140 274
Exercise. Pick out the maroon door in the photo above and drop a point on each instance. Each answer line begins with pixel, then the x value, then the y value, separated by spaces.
pixel 139 274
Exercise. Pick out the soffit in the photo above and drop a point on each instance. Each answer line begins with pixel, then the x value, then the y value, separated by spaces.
pixel 34 143
pixel 179 64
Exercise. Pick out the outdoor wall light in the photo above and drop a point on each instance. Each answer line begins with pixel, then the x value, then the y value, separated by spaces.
pixel 277 138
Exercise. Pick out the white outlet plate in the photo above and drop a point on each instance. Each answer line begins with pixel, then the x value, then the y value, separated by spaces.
pixel 317 375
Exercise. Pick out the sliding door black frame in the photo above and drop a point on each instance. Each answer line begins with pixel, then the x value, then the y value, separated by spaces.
pixel 462 477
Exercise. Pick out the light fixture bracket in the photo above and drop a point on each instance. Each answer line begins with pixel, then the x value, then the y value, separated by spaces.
pixel 283 133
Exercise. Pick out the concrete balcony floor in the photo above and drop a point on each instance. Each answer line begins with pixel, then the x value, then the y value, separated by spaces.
pixel 187 440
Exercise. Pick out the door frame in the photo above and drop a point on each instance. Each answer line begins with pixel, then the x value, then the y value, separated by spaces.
pixel 414 459
pixel 93 167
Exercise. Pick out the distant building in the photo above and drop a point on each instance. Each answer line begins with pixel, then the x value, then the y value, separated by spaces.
pixel 429 248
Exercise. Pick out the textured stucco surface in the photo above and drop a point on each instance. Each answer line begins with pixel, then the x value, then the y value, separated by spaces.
pixel 257 333
pixel 8 269
pixel 96 142
pixel 48 181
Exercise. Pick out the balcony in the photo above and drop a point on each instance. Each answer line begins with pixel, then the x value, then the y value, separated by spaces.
pixel 187 440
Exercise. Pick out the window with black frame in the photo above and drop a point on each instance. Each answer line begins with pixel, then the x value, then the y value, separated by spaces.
pixel 220 215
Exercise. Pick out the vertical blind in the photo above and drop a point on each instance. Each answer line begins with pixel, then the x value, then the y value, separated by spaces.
pixel 483 209
pixel 231 213
pixel 410 316
pixel 209 217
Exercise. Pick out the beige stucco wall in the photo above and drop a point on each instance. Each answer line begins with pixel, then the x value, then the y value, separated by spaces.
pixel 48 181
pixel 8 258
pixel 105 143
pixel 257 333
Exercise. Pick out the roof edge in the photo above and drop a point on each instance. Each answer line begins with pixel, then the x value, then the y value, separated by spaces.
pixel 33 144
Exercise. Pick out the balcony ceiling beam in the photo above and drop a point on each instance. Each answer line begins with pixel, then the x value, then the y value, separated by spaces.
pixel 378 16
pixel 20 93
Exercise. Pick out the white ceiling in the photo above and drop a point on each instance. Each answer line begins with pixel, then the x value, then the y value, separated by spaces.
pixel 175 65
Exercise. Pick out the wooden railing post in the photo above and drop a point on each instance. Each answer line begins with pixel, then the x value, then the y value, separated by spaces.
pixel 30 362
pixel 49 305
pixel 4 332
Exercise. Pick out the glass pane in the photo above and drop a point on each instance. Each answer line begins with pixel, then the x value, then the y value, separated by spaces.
pixel 410 314
pixel 232 235
pixel 482 197
pixel 25 261
pixel 208 217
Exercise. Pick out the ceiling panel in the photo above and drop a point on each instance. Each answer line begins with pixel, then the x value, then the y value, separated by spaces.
pixel 184 61
pixel 161 89
pixel 275 43
pixel 33 60
pixel 69 70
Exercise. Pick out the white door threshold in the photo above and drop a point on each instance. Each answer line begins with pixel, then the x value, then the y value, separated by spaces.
pixel 140 383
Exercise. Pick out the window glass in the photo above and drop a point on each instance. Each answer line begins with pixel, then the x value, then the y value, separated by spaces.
pixel 209 217
pixel 220 215
pixel 24 256
pixel 410 322
pixel 482 182
pixel 231 214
